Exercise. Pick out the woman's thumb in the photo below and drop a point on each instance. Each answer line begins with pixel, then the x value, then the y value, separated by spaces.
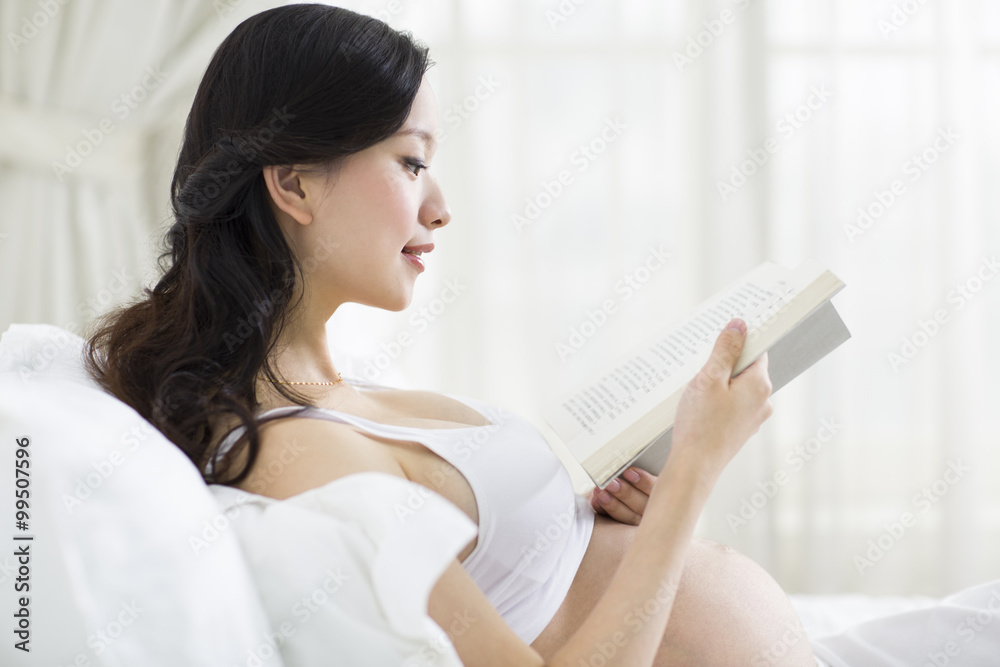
pixel 727 350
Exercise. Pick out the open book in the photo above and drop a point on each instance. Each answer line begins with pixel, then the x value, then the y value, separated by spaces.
pixel 625 415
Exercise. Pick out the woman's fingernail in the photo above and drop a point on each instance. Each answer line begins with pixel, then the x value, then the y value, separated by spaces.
pixel 613 485
pixel 631 475
pixel 603 497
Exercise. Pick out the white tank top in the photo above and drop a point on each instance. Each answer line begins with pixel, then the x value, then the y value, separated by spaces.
pixel 533 527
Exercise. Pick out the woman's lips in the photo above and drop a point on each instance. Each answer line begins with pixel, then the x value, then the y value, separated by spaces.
pixel 413 259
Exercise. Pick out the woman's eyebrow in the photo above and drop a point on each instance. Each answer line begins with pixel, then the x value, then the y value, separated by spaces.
pixel 423 134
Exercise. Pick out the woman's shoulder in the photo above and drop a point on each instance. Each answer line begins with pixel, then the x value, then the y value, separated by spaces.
pixel 296 455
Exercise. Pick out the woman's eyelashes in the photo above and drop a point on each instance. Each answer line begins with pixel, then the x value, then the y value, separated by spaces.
pixel 414 165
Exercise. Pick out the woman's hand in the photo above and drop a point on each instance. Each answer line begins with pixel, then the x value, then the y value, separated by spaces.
pixel 717 413
pixel 624 499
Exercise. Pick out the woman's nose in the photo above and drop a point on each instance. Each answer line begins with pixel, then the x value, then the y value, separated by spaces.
pixel 437 211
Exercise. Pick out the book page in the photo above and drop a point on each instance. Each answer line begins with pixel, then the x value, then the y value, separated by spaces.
pixel 812 338
pixel 584 419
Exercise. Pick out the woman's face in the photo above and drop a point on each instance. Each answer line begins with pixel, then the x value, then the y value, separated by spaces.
pixel 349 232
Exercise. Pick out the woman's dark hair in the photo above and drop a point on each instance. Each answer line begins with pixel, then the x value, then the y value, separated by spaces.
pixel 304 84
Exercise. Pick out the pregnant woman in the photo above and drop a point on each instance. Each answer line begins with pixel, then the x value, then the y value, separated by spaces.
pixel 305 181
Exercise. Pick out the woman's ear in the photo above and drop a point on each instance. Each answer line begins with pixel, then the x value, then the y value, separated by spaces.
pixel 285 187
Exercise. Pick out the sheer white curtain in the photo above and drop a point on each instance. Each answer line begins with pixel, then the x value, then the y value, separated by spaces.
pixel 585 141
pixel 671 97
pixel 93 97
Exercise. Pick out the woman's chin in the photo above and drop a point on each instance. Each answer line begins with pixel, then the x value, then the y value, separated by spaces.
pixel 395 302
pixel 397 297
pixel 401 302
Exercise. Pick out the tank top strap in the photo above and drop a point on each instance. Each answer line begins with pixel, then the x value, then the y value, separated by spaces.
pixel 432 437
pixel 496 418
pixel 384 430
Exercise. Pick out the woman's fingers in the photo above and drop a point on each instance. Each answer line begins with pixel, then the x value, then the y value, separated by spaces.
pixel 595 503
pixel 615 508
pixel 631 493
pixel 640 479
pixel 624 498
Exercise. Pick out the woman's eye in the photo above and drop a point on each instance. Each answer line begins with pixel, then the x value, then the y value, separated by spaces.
pixel 414 165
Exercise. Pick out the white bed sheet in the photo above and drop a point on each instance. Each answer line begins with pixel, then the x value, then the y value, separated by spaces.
pixel 865 631
pixel 828 614
pixel 823 615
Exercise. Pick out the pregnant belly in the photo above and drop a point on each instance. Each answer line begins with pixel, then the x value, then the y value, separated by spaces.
pixel 722 593
pixel 608 543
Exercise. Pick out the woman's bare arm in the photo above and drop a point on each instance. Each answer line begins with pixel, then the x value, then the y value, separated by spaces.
pixel 715 418
pixel 649 570
pixel 324 451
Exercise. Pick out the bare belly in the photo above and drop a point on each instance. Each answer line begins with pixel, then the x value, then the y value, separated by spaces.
pixel 723 595
pixel 609 542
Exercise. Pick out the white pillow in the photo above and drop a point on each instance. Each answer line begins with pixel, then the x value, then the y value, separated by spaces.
pixel 124 523
pixel 345 569
pixel 116 511
pixel 43 351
